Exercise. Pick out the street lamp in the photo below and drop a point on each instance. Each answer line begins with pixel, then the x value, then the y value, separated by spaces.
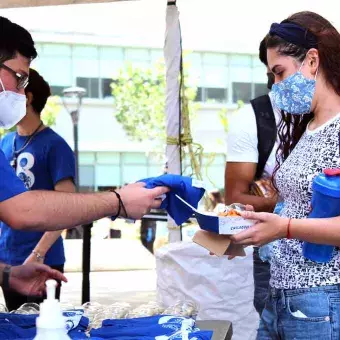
pixel 78 93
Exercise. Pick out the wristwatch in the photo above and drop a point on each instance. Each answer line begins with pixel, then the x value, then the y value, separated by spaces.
pixel 5 277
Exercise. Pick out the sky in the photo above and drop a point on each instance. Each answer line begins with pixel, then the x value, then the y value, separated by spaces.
pixel 213 25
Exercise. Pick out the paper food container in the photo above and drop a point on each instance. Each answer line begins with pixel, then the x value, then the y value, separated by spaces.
pixel 228 225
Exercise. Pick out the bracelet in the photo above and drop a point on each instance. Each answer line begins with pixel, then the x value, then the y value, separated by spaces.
pixel 5 277
pixel 38 255
pixel 120 206
pixel 289 236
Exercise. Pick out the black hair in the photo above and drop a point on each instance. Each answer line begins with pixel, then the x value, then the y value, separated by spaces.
pixel 15 39
pixel 40 90
pixel 263 51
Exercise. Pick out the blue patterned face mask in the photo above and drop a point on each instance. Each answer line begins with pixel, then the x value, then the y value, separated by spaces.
pixel 294 94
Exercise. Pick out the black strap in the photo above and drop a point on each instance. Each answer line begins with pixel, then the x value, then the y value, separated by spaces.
pixel 120 206
pixel 266 130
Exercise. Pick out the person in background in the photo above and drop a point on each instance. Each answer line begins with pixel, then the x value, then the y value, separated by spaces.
pixel 41 210
pixel 43 161
pixel 251 160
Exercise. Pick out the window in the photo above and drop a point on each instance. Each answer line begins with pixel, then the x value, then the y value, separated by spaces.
pixel 199 95
pixel 242 91
pixel 57 90
pixel 106 87
pixel 216 94
pixel 86 177
pixel 91 85
pixel 260 89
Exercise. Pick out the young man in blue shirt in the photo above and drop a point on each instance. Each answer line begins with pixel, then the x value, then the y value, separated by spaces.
pixel 42 160
pixel 38 210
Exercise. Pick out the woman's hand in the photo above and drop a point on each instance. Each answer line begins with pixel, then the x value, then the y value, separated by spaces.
pixel 268 228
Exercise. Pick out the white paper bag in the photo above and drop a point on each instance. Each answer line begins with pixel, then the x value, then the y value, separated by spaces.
pixel 222 288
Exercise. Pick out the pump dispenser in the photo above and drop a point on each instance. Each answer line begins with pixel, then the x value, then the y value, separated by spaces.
pixel 51 322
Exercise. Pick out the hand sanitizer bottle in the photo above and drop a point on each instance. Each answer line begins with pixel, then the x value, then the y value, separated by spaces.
pixel 51 322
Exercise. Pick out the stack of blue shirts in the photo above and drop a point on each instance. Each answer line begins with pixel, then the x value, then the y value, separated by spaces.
pixel 161 327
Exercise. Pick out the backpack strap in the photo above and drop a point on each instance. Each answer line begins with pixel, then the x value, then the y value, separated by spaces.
pixel 266 130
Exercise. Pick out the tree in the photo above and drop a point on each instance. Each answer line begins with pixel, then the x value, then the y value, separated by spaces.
pixel 48 115
pixel 139 97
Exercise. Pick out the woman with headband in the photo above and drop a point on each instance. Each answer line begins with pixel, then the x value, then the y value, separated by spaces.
pixel 304 297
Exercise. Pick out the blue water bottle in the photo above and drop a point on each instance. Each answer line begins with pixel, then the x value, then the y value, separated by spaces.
pixel 325 203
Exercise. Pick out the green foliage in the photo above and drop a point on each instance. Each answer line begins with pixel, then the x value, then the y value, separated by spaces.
pixel 139 97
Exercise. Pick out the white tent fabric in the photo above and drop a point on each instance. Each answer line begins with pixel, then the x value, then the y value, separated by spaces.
pixel 33 3
pixel 172 56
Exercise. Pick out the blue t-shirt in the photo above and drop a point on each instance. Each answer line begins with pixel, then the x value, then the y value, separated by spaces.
pixel 47 160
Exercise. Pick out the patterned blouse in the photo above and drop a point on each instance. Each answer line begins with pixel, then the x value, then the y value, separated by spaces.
pixel 316 151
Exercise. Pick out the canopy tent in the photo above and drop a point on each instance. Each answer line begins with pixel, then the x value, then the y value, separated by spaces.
pixel 33 3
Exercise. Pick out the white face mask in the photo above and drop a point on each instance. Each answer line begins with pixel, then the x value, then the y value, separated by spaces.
pixel 12 108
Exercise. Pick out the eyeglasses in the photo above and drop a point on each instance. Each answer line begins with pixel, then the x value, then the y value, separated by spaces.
pixel 22 80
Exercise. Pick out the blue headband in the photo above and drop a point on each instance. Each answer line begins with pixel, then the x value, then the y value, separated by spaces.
pixel 294 34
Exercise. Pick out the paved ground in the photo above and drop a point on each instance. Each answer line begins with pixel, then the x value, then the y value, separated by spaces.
pixel 135 287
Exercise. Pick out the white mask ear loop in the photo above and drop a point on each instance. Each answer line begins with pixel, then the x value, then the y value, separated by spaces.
pixel 317 70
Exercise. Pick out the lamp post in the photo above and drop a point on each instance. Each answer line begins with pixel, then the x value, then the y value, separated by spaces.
pixel 79 93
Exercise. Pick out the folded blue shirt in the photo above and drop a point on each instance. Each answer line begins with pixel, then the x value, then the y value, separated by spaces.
pixel 197 335
pixel 191 190
pixel 21 326
pixel 159 327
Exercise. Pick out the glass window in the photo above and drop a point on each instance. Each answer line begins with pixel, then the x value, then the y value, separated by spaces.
pixel 260 74
pixel 85 52
pixel 57 90
pixel 106 87
pixel 54 63
pixel 215 76
pixel 108 175
pixel 56 70
pixel 133 173
pixel 240 60
pixel 199 95
pixel 86 175
pixel 138 54
pixel 91 85
pixel 85 61
pixel 111 61
pixel 216 94
pixel 154 171
pixel 157 56
pixel 108 157
pixel 60 50
pixel 86 158
pixel 194 69
pixel 134 158
pixel 242 91
pixel 260 89
pixel 215 59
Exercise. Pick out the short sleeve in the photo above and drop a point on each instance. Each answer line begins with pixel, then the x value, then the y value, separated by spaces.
pixel 242 136
pixel 10 184
pixel 61 161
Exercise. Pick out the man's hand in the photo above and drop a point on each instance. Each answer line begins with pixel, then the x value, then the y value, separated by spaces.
pixel 138 200
pixel 29 279
pixel 32 258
